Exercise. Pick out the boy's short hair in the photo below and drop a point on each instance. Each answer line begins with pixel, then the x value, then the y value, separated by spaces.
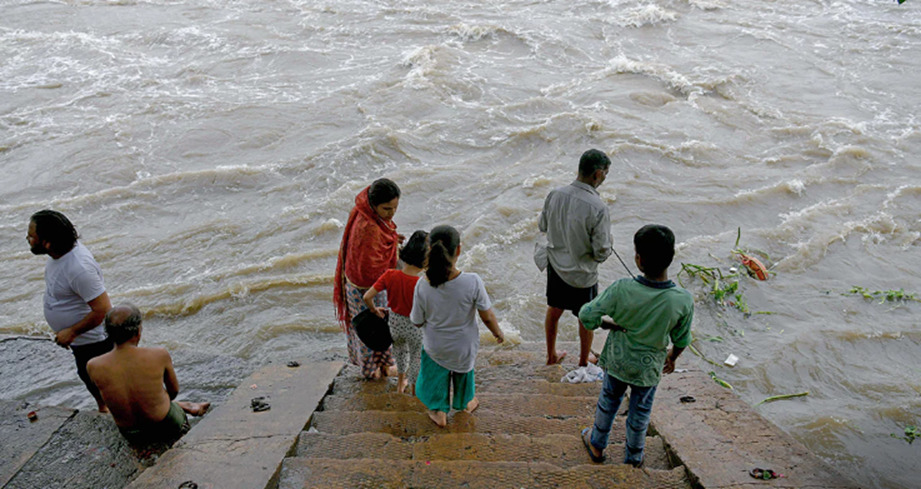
pixel 121 327
pixel 416 249
pixel 655 244
pixel 591 161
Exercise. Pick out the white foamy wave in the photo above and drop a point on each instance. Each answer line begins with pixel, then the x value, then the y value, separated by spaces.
pixel 421 63
pixel 706 4
pixel 646 15
pixel 794 186
pixel 536 181
pixel 824 208
pixel 475 257
pixel 875 229
pixel 472 33
pixel 674 80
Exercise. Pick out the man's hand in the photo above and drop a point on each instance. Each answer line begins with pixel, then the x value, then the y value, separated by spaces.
pixel 65 337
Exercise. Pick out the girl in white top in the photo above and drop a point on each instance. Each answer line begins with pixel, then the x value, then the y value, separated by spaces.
pixel 445 306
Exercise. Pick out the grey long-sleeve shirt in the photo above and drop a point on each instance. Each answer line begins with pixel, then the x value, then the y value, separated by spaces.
pixel 578 231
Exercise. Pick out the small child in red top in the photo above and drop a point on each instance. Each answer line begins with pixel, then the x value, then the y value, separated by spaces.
pixel 400 285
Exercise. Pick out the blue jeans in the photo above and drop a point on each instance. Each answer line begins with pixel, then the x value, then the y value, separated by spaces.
pixel 612 393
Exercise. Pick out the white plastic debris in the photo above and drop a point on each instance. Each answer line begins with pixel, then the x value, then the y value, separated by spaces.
pixel 731 360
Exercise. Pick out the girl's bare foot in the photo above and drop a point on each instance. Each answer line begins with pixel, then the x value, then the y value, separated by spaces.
pixel 401 383
pixel 472 405
pixel 439 417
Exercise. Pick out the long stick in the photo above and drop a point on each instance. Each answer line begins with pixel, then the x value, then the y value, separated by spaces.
pixel 622 263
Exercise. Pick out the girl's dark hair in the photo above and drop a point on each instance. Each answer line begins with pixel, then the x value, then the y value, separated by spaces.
pixel 415 249
pixel 656 246
pixel 444 242
pixel 382 190
pixel 54 227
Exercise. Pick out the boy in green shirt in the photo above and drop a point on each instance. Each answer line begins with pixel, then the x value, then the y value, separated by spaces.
pixel 647 312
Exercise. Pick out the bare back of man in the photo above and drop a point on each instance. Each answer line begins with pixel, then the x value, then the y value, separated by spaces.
pixel 137 384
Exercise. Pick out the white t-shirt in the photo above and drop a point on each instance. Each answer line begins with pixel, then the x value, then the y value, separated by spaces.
pixel 450 334
pixel 71 281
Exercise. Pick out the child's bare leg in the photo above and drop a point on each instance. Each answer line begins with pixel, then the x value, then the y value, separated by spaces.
pixel 472 405
pixel 194 408
pixel 401 382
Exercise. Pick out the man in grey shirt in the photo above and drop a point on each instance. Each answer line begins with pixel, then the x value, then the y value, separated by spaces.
pixel 578 229
pixel 75 300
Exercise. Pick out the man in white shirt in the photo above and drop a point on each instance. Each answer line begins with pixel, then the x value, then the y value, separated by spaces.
pixel 75 299
pixel 578 229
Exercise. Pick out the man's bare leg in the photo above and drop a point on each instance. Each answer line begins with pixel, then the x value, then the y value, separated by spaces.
pixel 102 406
pixel 585 346
pixel 194 408
pixel 551 326
pixel 439 417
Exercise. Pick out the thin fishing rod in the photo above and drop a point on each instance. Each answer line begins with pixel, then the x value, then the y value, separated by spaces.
pixel 622 263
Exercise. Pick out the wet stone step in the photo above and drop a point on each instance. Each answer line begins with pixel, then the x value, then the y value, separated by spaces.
pixel 514 404
pixel 304 473
pixel 351 384
pixel 563 451
pixel 405 424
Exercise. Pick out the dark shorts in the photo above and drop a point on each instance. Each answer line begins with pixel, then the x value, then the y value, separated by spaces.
pixel 170 429
pixel 85 353
pixel 564 296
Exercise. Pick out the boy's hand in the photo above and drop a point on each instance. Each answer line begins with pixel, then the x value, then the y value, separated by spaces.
pixel 609 324
pixel 673 355
pixel 669 365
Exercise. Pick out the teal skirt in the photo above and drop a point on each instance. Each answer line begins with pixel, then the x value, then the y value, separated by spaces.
pixel 433 386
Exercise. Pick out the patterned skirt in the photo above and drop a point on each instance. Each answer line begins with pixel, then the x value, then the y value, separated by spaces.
pixel 369 360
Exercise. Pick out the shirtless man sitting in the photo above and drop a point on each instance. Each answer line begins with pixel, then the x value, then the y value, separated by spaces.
pixel 139 384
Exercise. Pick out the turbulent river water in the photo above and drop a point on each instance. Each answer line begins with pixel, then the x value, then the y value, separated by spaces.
pixel 209 153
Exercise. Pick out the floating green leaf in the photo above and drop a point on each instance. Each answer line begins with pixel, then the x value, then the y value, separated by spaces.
pixel 884 295
pixel 911 433
pixel 783 396
pixel 720 381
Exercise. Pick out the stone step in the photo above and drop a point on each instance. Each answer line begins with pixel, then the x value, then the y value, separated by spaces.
pixel 350 383
pixel 405 424
pixel 305 473
pixel 531 386
pixel 514 404
pixel 561 450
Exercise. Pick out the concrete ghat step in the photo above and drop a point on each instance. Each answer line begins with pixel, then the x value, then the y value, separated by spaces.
pixel 303 473
pixel 418 424
pixel 516 404
pixel 564 451
pixel 350 384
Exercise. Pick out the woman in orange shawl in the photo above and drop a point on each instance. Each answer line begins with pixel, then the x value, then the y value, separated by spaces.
pixel 369 247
